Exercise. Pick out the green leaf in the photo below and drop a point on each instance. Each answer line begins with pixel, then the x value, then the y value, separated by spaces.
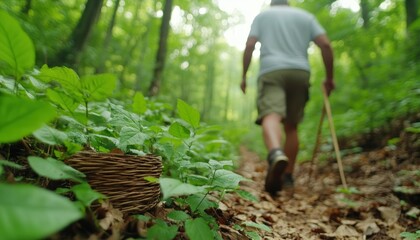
pixel 54 169
pixel 29 212
pixel 98 87
pixel 410 236
pixel 139 104
pixel 161 231
pixel 64 101
pixel 257 225
pixel 85 194
pixel 220 164
pixel 413 129
pixel 10 164
pixel 188 113
pixel 178 216
pixel 247 195
pixel 200 202
pixel 179 131
pixel 66 77
pixel 16 48
pixel 253 235
pixel 20 117
pixel 173 187
pixel 227 179
pixel 50 135
pixel 131 136
pixel 142 218
pixel 198 229
pixel 151 179
pixel 348 191
pixel 198 180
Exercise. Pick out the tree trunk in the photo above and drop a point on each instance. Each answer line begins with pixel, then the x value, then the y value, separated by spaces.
pixel 70 54
pixel 365 11
pixel 411 9
pixel 107 40
pixel 27 7
pixel 161 52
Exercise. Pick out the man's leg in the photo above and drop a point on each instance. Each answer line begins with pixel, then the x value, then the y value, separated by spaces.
pixel 272 131
pixel 276 158
pixel 291 146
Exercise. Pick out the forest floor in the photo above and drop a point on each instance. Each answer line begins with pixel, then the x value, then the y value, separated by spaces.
pixel 317 209
pixel 381 202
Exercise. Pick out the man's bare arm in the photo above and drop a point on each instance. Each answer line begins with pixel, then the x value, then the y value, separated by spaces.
pixel 324 44
pixel 246 61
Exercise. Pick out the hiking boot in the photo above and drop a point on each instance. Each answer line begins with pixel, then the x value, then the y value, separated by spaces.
pixel 288 181
pixel 277 164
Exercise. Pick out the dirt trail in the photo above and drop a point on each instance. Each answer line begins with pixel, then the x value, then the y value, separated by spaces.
pixel 315 210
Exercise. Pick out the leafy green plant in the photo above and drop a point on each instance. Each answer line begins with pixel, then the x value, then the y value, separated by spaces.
pixel 196 176
pixel 5 163
pixel 410 235
pixel 414 128
pixel 68 111
pixel 348 191
pixel 247 228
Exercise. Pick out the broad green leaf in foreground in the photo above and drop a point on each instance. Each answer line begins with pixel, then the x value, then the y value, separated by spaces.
pixel 198 229
pixel 54 169
pixel 29 212
pixel 20 117
pixel 173 187
pixel 188 113
pixel 16 48
pixel 50 135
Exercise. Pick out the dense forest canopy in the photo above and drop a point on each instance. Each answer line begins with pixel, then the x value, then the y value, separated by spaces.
pixel 176 49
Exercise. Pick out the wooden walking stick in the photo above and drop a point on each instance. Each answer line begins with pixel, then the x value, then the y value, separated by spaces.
pixel 327 108
pixel 316 147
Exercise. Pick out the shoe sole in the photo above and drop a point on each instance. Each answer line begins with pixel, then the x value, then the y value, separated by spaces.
pixel 272 185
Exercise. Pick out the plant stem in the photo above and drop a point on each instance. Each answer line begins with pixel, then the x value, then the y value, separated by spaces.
pixel 87 121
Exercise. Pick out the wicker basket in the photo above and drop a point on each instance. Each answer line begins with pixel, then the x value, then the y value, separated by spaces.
pixel 121 178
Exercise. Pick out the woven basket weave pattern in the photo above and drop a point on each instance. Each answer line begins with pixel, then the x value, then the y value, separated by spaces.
pixel 121 178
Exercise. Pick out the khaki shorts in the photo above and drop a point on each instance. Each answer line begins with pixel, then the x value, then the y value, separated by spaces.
pixel 284 92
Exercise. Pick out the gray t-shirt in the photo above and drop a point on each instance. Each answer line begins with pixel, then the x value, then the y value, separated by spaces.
pixel 284 33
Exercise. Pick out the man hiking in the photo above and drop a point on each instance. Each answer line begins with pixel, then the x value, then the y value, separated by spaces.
pixel 284 33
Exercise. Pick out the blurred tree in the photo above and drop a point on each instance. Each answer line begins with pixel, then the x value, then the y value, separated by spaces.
pixel 70 53
pixel 412 11
pixel 108 36
pixel 162 48
pixel 27 7
pixel 365 12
